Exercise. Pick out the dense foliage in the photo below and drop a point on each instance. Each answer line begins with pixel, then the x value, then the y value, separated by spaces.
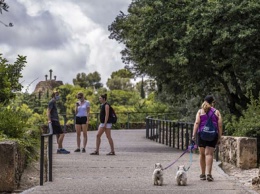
pixel 18 123
pixel 194 47
pixel 9 78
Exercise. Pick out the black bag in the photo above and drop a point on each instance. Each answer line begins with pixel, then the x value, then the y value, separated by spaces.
pixel 209 131
pixel 112 115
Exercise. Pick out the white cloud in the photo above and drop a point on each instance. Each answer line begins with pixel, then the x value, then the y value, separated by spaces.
pixel 66 36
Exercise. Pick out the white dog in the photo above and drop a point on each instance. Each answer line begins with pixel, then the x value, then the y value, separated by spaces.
pixel 158 175
pixel 181 176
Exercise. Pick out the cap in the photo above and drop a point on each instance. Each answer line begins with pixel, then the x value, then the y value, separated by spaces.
pixel 209 99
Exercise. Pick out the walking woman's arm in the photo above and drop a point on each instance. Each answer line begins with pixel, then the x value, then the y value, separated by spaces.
pixel 220 125
pixel 196 125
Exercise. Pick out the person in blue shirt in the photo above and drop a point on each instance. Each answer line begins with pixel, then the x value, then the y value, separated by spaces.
pixel 82 110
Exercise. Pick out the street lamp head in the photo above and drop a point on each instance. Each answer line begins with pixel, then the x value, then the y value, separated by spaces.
pixel 7 25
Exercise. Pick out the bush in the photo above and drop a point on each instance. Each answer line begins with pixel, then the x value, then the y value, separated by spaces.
pixel 247 125
pixel 14 126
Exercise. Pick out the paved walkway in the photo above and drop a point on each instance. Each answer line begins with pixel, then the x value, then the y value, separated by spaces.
pixel 130 171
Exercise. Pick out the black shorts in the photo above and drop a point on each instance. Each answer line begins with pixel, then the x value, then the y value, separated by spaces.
pixel 81 120
pixel 202 143
pixel 56 127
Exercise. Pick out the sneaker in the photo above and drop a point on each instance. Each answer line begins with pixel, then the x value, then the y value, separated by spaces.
pixel 62 151
pixel 210 178
pixel 83 150
pixel 203 177
pixel 77 150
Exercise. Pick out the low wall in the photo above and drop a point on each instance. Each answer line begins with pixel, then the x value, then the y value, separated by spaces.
pixel 12 163
pixel 239 151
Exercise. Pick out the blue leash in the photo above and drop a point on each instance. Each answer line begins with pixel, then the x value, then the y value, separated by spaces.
pixel 190 148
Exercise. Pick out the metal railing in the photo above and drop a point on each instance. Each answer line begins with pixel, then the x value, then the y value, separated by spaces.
pixel 49 158
pixel 126 119
pixel 174 134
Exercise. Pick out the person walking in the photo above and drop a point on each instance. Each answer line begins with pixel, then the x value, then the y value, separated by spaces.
pixel 82 120
pixel 105 126
pixel 53 118
pixel 206 148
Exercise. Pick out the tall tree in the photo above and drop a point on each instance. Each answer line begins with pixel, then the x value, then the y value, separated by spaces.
pixel 120 80
pixel 194 47
pixel 9 77
pixel 90 80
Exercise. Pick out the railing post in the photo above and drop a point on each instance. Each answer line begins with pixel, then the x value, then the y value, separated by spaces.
pixel 182 136
pixel 41 160
pixel 187 136
pixel 128 126
pixel 163 130
pixel 50 157
pixel 160 131
pixel 170 132
pixel 178 135
pixel 50 142
pixel 157 130
pixel 147 127
pixel 166 126
pixel 174 135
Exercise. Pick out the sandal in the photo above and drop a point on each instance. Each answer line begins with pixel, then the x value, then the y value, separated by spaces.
pixel 111 154
pixel 94 153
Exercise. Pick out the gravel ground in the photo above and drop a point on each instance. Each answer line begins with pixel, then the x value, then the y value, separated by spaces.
pixel 243 176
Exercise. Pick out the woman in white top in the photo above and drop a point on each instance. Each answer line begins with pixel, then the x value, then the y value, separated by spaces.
pixel 82 110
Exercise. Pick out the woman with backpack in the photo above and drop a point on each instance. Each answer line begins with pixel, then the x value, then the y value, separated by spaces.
pixel 208 122
pixel 105 126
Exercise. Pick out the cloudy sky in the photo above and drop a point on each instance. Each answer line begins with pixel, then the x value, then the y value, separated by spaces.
pixel 67 36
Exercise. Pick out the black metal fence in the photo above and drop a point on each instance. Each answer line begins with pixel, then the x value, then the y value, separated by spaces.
pixel 174 134
pixel 48 160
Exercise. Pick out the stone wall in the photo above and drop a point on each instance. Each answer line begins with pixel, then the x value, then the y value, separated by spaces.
pixel 12 163
pixel 239 151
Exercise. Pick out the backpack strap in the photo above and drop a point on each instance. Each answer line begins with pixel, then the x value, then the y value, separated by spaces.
pixel 212 114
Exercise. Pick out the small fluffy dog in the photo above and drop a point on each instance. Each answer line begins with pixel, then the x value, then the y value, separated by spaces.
pixel 181 176
pixel 158 175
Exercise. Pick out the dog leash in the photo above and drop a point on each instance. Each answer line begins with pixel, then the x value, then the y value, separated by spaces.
pixel 186 170
pixel 190 148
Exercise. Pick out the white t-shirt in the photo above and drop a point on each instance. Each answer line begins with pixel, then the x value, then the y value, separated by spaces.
pixel 82 109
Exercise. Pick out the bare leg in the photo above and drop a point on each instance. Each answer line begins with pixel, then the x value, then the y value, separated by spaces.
pixel 110 140
pixel 78 130
pixel 60 140
pixel 101 130
pixel 57 137
pixel 85 135
pixel 202 160
pixel 209 158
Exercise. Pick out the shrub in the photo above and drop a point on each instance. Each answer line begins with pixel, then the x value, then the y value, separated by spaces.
pixel 14 126
pixel 247 125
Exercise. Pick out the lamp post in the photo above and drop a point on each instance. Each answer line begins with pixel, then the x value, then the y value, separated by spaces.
pixel 7 25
